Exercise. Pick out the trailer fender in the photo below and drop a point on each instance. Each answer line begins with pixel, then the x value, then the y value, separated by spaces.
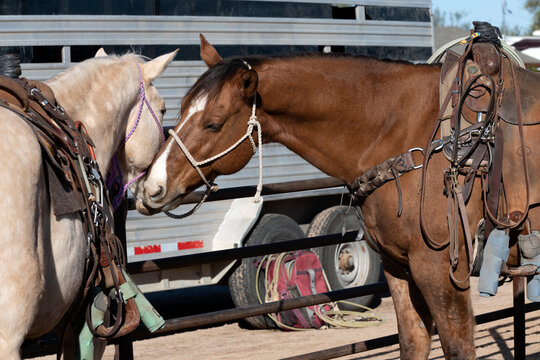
pixel 239 219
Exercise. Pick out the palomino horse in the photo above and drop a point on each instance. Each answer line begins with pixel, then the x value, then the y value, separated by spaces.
pixel 43 256
pixel 344 115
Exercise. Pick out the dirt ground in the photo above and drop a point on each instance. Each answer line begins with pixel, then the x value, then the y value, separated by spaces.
pixel 493 340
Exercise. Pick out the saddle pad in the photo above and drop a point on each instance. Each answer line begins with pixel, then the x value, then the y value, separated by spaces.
pixel 64 200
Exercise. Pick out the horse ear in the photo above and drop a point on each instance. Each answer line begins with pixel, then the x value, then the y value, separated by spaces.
pixel 101 53
pixel 154 68
pixel 248 84
pixel 209 53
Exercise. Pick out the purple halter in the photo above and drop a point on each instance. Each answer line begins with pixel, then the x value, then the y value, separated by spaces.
pixel 143 101
pixel 115 173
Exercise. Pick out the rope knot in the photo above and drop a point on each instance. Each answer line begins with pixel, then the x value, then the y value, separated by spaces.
pixel 253 120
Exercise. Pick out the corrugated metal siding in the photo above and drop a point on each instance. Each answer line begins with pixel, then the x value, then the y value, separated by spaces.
pixel 404 3
pixel 280 164
pixel 174 30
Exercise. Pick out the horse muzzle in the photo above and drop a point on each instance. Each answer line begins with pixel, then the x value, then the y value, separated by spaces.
pixel 152 201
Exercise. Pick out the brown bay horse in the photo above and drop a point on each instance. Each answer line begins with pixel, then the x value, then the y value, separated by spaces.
pixel 344 115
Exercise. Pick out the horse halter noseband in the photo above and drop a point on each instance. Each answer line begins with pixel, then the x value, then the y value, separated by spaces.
pixel 210 186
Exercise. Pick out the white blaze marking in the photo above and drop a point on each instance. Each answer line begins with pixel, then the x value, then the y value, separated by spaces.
pixel 198 105
pixel 158 175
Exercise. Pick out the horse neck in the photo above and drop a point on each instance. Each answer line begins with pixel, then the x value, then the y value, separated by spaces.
pixel 345 115
pixel 101 104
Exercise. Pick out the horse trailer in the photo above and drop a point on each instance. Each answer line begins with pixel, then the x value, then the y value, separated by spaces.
pixel 390 29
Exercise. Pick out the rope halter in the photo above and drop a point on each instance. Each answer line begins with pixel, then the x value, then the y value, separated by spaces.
pixel 210 186
pixel 143 100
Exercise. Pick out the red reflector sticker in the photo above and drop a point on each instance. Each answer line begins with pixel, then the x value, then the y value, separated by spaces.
pixel 150 249
pixel 197 244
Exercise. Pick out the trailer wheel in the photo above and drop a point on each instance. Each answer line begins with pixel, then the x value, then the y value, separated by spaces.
pixel 271 228
pixel 349 264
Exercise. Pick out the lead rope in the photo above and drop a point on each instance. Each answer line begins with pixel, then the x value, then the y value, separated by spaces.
pixel 210 186
pixel 334 317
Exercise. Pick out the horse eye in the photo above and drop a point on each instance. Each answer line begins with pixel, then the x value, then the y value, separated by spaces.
pixel 163 111
pixel 214 126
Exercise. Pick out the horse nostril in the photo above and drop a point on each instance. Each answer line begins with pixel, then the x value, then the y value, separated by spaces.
pixel 157 193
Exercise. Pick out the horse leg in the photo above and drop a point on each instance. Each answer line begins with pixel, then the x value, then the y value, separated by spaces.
pixel 21 286
pixel 8 348
pixel 450 307
pixel 413 318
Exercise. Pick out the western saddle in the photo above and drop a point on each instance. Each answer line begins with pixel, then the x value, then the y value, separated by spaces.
pixel 485 122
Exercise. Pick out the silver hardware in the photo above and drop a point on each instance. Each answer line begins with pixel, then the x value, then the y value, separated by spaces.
pixel 413 150
pixel 85 176
pixel 440 146
pixel 247 65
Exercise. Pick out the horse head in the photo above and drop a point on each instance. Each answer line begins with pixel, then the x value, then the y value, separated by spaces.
pixel 211 137
pixel 143 135
pixel 121 110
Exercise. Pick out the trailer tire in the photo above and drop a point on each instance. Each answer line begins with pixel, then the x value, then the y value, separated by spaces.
pixel 271 228
pixel 364 265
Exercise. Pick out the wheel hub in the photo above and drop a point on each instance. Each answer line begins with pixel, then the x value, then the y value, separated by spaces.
pixel 346 261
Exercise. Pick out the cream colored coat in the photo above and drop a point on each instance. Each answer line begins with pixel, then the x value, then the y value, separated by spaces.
pixel 42 256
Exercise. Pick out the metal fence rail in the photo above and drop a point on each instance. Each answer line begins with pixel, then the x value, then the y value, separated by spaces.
pixel 389 340
pixel 268 189
pixel 517 311
pixel 213 318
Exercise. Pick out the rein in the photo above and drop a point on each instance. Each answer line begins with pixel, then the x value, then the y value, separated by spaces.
pixel 457 192
pixel 211 186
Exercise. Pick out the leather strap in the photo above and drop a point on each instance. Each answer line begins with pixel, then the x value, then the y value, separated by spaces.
pixel 428 150
pixel 379 175
pixel 491 194
pixel 477 158
pixel 459 212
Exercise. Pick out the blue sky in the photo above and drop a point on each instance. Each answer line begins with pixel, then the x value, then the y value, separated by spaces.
pixel 488 10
